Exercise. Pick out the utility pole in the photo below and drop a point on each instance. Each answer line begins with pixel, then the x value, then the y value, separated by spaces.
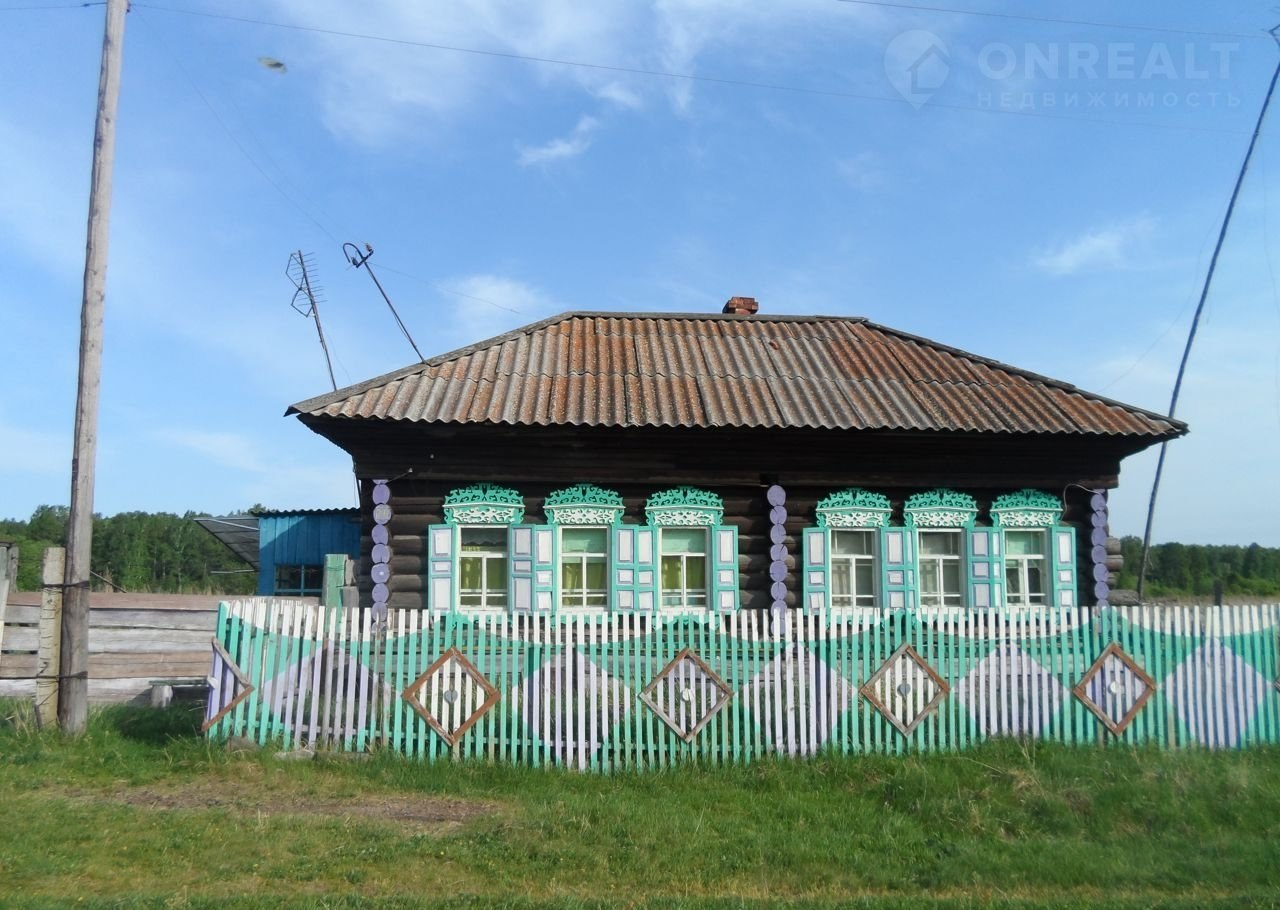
pixel 73 698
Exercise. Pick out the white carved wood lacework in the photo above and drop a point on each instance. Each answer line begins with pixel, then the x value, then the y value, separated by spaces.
pixel 684 507
pixel 483 504
pixel 940 509
pixel 854 508
pixel 584 504
pixel 1026 509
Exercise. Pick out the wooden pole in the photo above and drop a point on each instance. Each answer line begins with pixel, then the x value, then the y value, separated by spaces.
pixel 73 701
pixel 8 571
pixel 49 641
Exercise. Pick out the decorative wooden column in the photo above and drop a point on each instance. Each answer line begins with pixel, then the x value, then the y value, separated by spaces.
pixel 380 555
pixel 777 498
pixel 1098 548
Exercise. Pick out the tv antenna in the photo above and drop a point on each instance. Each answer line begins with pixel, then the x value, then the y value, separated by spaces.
pixel 300 270
pixel 358 259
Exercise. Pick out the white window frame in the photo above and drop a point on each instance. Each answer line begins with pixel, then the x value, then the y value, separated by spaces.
pixel 485 596
pixel 858 599
pixel 943 598
pixel 1020 564
pixel 582 606
pixel 685 556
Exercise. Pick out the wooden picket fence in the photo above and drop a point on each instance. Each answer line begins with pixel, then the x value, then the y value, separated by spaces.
pixel 632 691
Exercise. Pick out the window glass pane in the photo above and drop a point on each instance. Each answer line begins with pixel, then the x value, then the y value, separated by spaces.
pixel 671 572
pixel 929 578
pixel 469 570
pixel 939 543
pixel 1024 543
pixel 841 578
pixel 288 578
pixel 684 540
pixel 597 573
pixel 571 576
pixel 851 543
pixel 696 573
pixel 1035 583
pixel 951 578
pixel 583 540
pixel 1013 582
pixel 864 573
pixel 495 571
pixel 478 539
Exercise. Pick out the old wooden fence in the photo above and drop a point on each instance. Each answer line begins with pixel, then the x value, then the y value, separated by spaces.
pixel 604 692
pixel 135 640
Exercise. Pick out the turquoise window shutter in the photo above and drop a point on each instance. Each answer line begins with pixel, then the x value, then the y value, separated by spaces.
pixel 441 546
pixel 1063 559
pixel 545 581
pixel 525 570
pixel 634 574
pixel 898 567
pixel 724 569
pixel 816 577
pixel 984 569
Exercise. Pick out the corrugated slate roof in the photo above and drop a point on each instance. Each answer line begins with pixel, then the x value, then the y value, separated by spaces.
pixel 698 370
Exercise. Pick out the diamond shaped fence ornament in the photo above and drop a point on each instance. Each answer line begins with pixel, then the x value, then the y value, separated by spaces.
pixel 1115 688
pixel 686 694
pixel 572 705
pixel 905 689
pixel 1009 693
pixel 451 695
pixel 1215 675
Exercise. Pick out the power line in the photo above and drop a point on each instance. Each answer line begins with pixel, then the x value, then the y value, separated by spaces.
pixel 1088 23
pixel 245 152
pixel 17 9
pixel 688 77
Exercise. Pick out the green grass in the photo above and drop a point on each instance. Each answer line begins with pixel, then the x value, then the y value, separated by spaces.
pixel 143 812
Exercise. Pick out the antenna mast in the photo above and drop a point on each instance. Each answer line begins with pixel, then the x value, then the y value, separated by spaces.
pixel 358 259
pixel 306 299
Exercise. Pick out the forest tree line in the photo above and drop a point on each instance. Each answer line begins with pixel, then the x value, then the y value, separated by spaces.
pixel 138 552
pixel 162 552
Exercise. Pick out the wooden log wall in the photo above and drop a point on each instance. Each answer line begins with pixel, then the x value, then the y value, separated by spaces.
pixel 133 640
pixel 417 503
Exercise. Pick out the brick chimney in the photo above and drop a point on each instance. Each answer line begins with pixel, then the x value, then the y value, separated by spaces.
pixel 741 306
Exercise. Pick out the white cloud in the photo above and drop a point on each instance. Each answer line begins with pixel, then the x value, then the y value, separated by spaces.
pixel 489 305
pixel 570 146
pixel 376 91
pixel 1112 246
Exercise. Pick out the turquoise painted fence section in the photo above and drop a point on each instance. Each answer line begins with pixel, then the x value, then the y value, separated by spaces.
pixel 643 691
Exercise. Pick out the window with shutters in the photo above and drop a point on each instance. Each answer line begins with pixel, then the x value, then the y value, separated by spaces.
pixel 482 567
pixel 951 553
pixel 697 554
pixel 1024 573
pixel 584 567
pixel 1039 551
pixel 585 517
pixel 843 567
pixel 684 567
pixel 940 569
pixel 853 568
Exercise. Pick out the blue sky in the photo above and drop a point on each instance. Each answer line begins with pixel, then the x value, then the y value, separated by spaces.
pixel 1043 193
